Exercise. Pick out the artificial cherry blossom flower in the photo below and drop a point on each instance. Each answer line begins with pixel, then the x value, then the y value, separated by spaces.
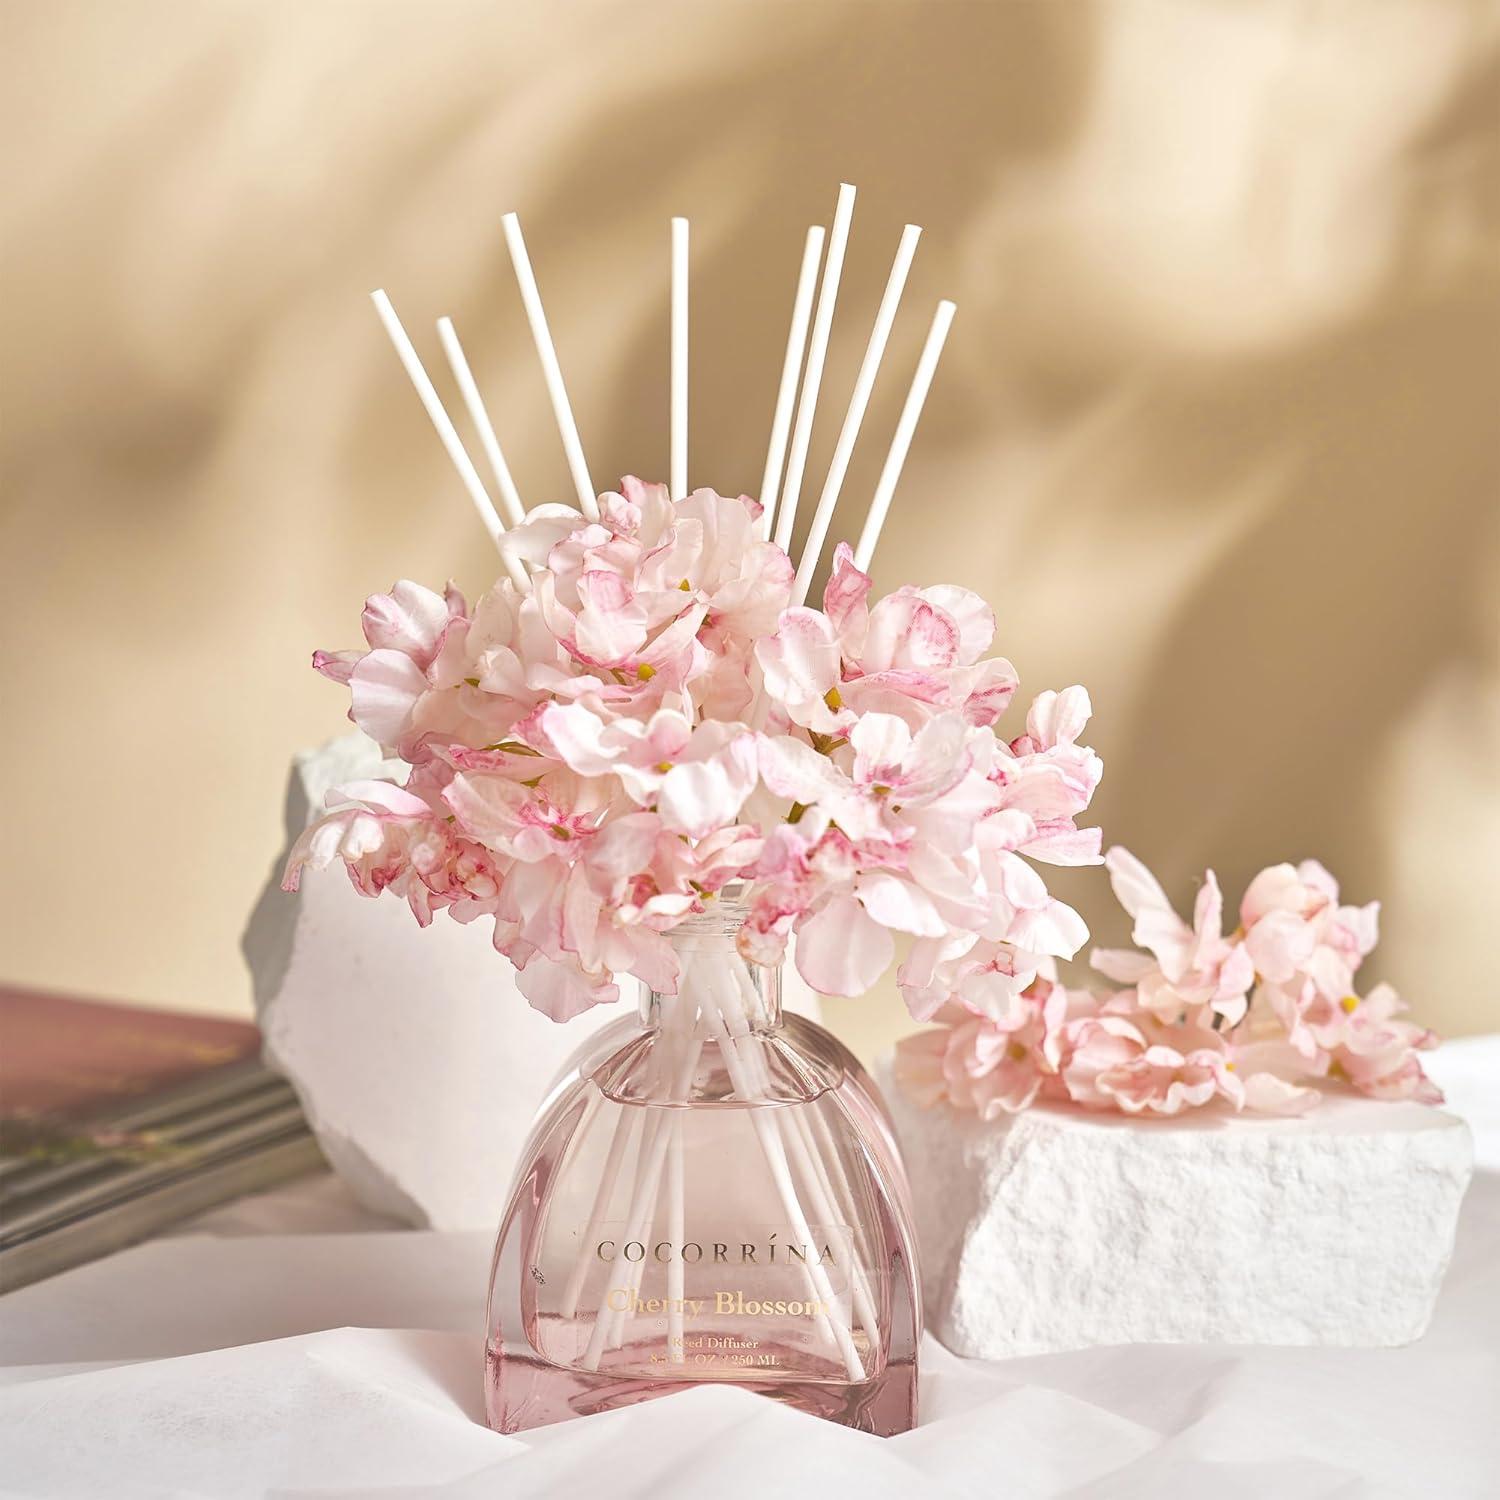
pixel 915 653
pixel 594 758
pixel 1047 775
pixel 1306 949
pixel 1121 1061
pixel 1193 966
pixel 1246 1020
pixel 1270 1071
pixel 391 839
pixel 571 873
pixel 697 778
pixel 990 1065
pixel 1378 1053
pixel 935 853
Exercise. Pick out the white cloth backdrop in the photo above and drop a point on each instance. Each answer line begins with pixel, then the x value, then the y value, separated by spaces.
pixel 293 1346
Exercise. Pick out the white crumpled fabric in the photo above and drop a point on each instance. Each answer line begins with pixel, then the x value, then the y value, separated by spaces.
pixel 239 1361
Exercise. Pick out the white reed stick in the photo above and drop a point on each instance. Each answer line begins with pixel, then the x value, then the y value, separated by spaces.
pixel 666 1060
pixel 531 299
pixel 726 1016
pixel 885 486
pixel 812 377
pixel 774 1151
pixel 791 369
pixel 679 394
pixel 676 1283
pixel 727 1006
pixel 809 1161
pixel 674 1061
pixel 864 384
pixel 510 497
pixel 627 1128
pixel 814 1164
pixel 449 436
pixel 643 1202
pixel 826 1153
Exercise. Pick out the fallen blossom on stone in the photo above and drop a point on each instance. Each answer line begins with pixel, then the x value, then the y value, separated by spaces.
pixel 1263 1018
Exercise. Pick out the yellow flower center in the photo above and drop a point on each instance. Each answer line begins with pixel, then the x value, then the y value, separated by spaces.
pixel 1349 1004
pixel 834 699
pixel 645 672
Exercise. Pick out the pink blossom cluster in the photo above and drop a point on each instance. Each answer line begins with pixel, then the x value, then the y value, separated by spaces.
pixel 594 759
pixel 1257 1019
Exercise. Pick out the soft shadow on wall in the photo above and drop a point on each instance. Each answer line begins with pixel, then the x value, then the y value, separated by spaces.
pixel 1213 433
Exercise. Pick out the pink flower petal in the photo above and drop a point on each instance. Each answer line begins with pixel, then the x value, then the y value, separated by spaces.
pixel 793 769
pixel 612 623
pixel 1123 965
pixel 905 631
pixel 1157 926
pixel 1279 944
pixel 561 990
pixel 844 597
pixel 898 904
pixel 697 797
pixel 337 666
pixel 801 667
pixel 1275 888
pixel 577 735
pixel 842 950
pixel 410 619
pixel 379 796
pixel 1058 718
pixel 974 618
pixel 1056 930
pixel 1267 1094
pixel 384 689
pixel 880 743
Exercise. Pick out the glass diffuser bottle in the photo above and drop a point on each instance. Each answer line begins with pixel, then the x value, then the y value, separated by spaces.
pixel 707 1195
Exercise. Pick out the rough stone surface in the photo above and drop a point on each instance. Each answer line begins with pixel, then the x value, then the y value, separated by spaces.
pixel 1057 1229
pixel 418 1062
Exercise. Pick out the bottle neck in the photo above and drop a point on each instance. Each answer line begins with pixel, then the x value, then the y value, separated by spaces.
pixel 718 992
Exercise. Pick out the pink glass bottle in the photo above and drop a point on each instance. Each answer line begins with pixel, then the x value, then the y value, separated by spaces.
pixel 708 1195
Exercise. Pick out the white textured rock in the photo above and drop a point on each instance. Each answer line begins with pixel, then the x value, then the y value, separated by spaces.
pixel 416 1059
pixel 1057 1229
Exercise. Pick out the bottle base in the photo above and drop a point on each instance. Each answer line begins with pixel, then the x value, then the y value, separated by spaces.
pixel 523 1392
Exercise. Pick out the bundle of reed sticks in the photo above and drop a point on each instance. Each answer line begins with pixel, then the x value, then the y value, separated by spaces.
pixel 781 486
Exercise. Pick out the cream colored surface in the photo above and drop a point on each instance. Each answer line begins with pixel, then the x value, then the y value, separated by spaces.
pixel 1215 431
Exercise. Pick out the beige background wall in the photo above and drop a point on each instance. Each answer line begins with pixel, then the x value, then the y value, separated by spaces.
pixel 1216 432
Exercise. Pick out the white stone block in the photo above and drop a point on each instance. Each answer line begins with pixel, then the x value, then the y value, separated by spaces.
pixel 418 1062
pixel 1059 1229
